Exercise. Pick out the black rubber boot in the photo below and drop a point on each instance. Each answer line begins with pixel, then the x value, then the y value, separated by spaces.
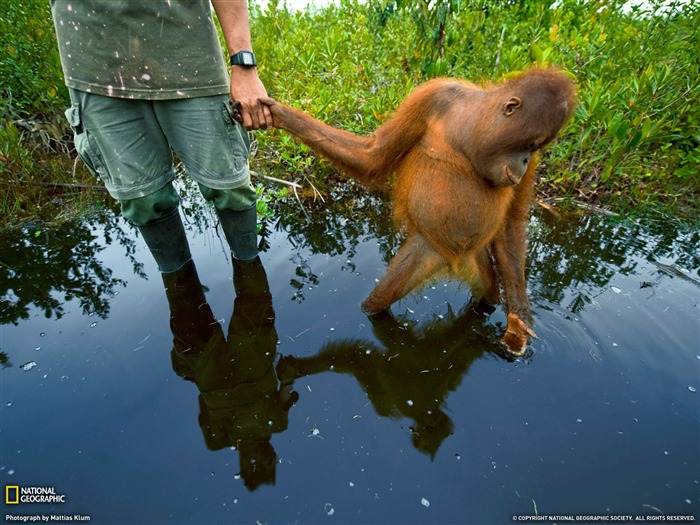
pixel 252 309
pixel 192 322
pixel 240 230
pixel 166 239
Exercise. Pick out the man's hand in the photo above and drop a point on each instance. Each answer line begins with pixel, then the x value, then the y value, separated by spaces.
pixel 246 87
pixel 246 91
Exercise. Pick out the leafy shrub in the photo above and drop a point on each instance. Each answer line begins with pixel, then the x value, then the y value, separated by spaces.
pixel 29 62
pixel 39 177
pixel 633 141
pixel 634 138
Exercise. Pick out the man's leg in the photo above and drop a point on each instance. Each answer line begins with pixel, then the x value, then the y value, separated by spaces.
pixel 158 219
pixel 238 218
pixel 214 149
pixel 121 142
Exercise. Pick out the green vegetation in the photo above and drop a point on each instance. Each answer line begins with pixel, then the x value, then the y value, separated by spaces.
pixel 632 146
pixel 40 178
pixel 633 143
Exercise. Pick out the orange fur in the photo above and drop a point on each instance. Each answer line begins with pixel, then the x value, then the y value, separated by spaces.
pixel 463 159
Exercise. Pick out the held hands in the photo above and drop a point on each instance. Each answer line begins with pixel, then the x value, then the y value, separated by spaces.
pixel 269 104
pixel 247 91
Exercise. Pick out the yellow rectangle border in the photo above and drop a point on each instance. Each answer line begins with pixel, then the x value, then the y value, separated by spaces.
pixel 8 488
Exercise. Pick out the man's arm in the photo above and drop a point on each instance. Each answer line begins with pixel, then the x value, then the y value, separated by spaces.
pixel 246 87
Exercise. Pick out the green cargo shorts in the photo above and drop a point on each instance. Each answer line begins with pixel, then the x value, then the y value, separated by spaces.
pixel 128 143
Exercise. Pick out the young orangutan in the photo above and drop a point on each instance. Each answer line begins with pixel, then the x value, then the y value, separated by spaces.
pixel 463 159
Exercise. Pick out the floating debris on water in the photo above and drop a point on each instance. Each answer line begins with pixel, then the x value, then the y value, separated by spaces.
pixel 425 502
pixel 329 509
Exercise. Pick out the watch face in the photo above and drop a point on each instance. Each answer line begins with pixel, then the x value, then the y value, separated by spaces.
pixel 243 58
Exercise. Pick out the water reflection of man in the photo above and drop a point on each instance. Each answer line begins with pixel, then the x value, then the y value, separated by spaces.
pixel 241 402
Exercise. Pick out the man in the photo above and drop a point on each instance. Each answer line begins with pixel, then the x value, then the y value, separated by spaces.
pixel 147 78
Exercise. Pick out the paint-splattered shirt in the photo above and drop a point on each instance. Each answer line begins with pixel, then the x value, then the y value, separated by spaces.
pixel 149 49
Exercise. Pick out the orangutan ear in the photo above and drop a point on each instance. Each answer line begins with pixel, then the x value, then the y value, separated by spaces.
pixel 510 106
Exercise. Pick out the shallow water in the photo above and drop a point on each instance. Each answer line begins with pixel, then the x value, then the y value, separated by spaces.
pixel 417 417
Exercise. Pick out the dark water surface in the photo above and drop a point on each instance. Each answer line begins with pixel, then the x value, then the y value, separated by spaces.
pixel 417 417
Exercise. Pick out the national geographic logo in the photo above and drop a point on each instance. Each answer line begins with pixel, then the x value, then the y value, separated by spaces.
pixel 14 495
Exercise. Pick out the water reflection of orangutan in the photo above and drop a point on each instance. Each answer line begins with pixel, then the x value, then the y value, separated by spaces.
pixel 241 402
pixel 464 160
pixel 414 373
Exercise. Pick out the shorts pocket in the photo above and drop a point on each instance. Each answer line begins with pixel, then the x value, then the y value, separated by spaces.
pixel 238 136
pixel 85 145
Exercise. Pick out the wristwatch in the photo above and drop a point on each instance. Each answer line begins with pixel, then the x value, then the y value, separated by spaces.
pixel 244 58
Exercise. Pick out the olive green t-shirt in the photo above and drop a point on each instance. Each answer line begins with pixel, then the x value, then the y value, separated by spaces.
pixel 147 49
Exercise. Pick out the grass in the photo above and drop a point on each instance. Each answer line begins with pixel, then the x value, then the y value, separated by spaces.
pixel 632 148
